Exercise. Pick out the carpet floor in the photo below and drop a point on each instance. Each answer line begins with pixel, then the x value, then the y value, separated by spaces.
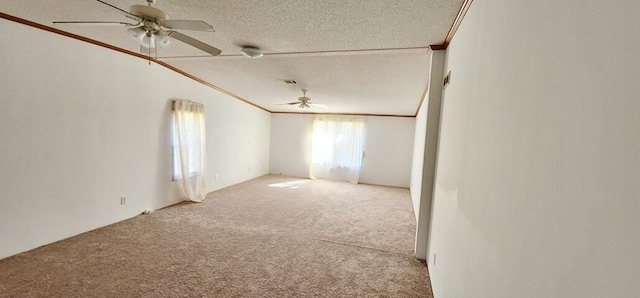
pixel 274 236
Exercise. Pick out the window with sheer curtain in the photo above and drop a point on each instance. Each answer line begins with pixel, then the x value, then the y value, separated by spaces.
pixel 338 142
pixel 189 149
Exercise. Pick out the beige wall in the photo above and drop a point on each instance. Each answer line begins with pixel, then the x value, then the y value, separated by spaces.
pixel 81 126
pixel 538 170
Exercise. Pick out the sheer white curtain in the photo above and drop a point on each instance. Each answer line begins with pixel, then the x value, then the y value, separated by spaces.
pixel 189 145
pixel 338 143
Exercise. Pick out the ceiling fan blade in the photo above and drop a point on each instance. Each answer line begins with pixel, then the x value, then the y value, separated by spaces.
pixel 126 13
pixel 94 23
pixel 187 25
pixel 318 105
pixel 289 103
pixel 195 43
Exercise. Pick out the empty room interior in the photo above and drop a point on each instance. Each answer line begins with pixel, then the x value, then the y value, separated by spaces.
pixel 406 148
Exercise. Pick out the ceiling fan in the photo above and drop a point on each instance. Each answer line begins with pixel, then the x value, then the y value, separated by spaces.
pixel 304 102
pixel 151 27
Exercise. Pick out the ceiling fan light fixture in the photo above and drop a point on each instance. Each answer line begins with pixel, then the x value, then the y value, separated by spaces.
pixel 303 106
pixel 137 33
pixel 148 41
pixel 163 39
pixel 251 52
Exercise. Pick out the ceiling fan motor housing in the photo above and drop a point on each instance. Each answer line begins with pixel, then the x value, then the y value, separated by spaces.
pixel 148 12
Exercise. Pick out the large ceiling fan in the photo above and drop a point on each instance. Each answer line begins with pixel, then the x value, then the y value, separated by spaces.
pixel 151 27
pixel 304 102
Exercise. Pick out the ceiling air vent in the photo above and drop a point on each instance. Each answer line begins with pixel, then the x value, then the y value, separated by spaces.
pixel 289 82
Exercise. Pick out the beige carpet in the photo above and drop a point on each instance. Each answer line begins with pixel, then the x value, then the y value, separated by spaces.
pixel 313 239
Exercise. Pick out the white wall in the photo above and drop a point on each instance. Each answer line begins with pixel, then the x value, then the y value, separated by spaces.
pixel 425 151
pixel 388 146
pixel 81 126
pixel 417 163
pixel 538 170
pixel 290 144
pixel 388 149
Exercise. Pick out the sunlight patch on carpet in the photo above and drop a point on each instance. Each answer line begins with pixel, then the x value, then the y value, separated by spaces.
pixel 290 184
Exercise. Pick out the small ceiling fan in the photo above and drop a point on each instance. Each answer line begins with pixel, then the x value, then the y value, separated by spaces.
pixel 152 27
pixel 304 102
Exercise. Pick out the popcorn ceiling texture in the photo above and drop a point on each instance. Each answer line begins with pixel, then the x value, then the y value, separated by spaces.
pixel 274 25
pixel 287 26
pixel 312 239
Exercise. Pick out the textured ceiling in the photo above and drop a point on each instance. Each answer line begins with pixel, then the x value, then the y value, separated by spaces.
pixel 366 57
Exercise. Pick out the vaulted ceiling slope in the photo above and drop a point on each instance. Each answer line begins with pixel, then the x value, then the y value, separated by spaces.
pixel 360 57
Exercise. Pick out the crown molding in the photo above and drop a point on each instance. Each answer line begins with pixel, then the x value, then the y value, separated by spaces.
pixel 345 114
pixel 456 23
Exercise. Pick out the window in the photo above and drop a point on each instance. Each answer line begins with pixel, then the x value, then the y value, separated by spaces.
pixel 338 142
pixel 192 164
pixel 189 149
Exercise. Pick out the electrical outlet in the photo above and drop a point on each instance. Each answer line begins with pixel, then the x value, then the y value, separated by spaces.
pixel 434 259
pixel 215 176
pixel 123 200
